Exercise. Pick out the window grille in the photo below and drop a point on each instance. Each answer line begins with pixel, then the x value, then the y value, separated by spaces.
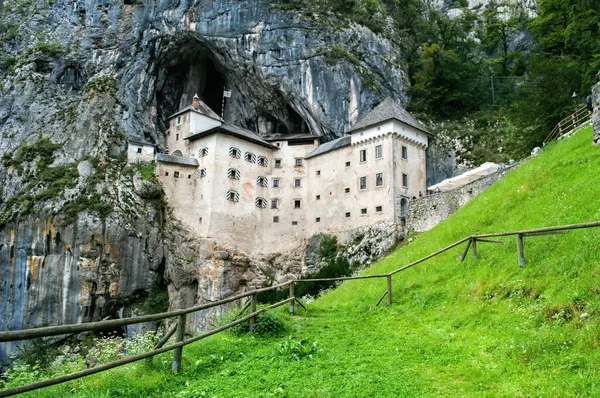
pixel 275 182
pixel 274 203
pixel 404 152
pixel 363 155
pixel 261 202
pixel 379 179
pixel 378 152
pixel 234 174
pixel 262 181
pixel 363 182
pixel 233 196
pixel 235 153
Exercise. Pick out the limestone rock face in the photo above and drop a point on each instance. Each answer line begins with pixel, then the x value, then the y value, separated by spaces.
pixel 89 75
pixel 596 114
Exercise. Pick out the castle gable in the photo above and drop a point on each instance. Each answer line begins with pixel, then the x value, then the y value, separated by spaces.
pixel 385 111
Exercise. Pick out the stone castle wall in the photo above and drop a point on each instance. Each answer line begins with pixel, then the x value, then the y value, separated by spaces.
pixel 426 212
pixel 596 114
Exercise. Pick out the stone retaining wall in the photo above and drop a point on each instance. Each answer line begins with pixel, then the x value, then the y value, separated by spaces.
pixel 596 114
pixel 426 212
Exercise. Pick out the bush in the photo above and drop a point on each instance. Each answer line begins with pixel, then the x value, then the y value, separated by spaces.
pixel 267 324
pixel 298 349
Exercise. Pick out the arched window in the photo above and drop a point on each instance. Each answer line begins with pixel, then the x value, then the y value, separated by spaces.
pixel 201 173
pixel 235 153
pixel 261 202
pixel 262 181
pixel 233 196
pixel 263 161
pixel 203 152
pixel 250 157
pixel 234 174
pixel 177 152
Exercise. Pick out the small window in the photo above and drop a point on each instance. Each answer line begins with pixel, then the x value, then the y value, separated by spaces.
pixel 200 220
pixel 363 211
pixel 203 152
pixel 178 120
pixel 297 183
pixel 262 181
pixel 318 219
pixel 234 174
pixel 189 176
pixel 277 163
pixel 176 137
pixel 404 152
pixel 318 197
pixel 347 214
pixel 348 164
pixel 233 196
pixel 363 182
pixel 298 162
pixel 379 179
pixel 139 150
pixel 176 174
pixel 378 152
pixel 275 182
pixel 363 155
pixel 274 203
pixel 318 172
pixel 347 190
pixel 297 203
pixel 166 173
pixel 260 202
pixel 379 209
pixel 250 157
pixel 263 161
pixel 275 218
pixel 235 153
pixel 405 180
pixel 294 222
pixel 201 173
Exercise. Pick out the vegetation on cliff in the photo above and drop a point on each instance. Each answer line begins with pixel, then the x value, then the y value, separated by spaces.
pixel 484 326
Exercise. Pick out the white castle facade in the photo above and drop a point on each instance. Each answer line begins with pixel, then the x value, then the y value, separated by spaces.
pixel 270 194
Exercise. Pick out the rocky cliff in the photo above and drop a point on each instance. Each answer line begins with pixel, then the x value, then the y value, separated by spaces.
pixel 83 234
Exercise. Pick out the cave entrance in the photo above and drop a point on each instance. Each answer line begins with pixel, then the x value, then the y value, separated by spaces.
pixel 189 69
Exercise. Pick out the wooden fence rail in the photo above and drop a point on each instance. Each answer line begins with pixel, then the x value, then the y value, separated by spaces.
pixel 179 328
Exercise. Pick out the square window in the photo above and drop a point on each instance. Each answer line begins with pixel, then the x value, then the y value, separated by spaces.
pixel 379 209
pixel 379 179
pixel 139 150
pixel 275 182
pixel 166 173
pixel 277 163
pixel 275 218
pixel 347 190
pixel 363 182
pixel 298 162
pixel 297 183
pixel 348 164
pixel 176 174
pixel 378 152
pixel 318 219
pixel 274 203
pixel 363 155
pixel 294 222
pixel 404 152
pixel 405 180
pixel 318 172
pixel 297 203
pixel 318 197
pixel 363 211
pixel 347 214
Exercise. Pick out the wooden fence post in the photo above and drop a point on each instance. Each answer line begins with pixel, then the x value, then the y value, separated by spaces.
pixel 252 309
pixel 474 249
pixel 178 352
pixel 389 290
pixel 292 295
pixel 520 249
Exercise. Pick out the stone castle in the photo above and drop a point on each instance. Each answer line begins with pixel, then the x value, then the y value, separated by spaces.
pixel 271 194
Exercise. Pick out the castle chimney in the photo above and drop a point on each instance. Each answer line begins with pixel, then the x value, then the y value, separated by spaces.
pixel 196 102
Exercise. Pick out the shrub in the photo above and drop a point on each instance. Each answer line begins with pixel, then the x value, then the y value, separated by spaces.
pixel 267 324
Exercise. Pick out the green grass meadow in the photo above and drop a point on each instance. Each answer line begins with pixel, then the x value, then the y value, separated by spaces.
pixel 478 328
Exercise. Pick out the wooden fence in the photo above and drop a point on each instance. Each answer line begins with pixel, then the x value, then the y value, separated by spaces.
pixel 569 124
pixel 179 327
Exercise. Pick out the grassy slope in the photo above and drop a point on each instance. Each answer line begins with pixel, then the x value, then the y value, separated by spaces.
pixel 484 327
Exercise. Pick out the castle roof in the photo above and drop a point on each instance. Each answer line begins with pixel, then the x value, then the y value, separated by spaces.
pixel 203 109
pixel 181 160
pixel 387 110
pixel 330 146
pixel 234 131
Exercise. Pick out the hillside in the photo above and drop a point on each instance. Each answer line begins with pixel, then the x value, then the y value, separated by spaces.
pixel 483 327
